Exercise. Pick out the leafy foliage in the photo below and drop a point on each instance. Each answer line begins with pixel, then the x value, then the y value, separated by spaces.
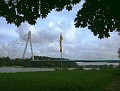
pixel 18 11
pixel 101 16
pixel 119 53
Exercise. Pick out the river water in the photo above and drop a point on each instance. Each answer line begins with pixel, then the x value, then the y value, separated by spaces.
pixel 21 69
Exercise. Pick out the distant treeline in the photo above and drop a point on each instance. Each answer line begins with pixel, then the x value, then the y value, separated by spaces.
pixel 47 58
pixel 6 61
pixel 101 66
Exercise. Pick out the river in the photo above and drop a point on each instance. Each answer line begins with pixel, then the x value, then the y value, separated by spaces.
pixel 22 69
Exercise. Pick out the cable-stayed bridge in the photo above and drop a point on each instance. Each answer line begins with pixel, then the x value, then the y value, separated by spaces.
pixel 42 46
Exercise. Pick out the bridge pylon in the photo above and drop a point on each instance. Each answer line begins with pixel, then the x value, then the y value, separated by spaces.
pixel 28 40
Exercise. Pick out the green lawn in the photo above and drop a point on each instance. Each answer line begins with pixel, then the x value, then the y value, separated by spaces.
pixel 58 80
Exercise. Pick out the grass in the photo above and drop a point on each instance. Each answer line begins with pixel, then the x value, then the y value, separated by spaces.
pixel 58 81
pixel 115 85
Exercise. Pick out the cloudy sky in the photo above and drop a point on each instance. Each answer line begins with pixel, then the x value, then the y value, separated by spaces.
pixel 78 43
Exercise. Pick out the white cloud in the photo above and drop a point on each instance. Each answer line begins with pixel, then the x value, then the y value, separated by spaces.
pixel 7 32
pixel 51 24
pixel 23 30
pixel 67 29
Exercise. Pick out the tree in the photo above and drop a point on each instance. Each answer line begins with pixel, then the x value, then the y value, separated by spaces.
pixel 119 53
pixel 18 11
pixel 101 16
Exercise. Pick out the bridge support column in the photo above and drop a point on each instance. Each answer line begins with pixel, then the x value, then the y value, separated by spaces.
pixel 29 39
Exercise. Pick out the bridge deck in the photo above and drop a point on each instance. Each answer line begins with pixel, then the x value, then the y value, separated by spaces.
pixel 109 61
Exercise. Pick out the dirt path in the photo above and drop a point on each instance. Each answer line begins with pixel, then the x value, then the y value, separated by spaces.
pixel 115 85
